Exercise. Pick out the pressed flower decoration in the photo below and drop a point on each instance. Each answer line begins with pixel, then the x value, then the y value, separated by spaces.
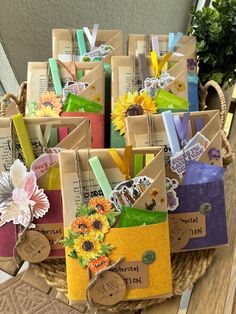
pixel 131 105
pixel 49 105
pixel 87 232
pixel 20 198
pixel 179 86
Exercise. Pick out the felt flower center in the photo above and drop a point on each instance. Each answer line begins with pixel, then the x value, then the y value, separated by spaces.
pixel 100 207
pixel 47 104
pixel 88 246
pixel 97 224
pixel 82 226
pixel 134 110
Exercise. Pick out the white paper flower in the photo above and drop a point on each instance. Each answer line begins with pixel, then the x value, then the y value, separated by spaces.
pixel 20 198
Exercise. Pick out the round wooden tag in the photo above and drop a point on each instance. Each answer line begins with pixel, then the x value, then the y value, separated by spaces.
pixel 109 289
pixel 180 234
pixel 35 248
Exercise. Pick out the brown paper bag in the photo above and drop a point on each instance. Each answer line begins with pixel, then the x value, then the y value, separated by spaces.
pixel 38 81
pixel 65 46
pixel 199 220
pixel 126 77
pixel 79 185
pixel 140 43
pixel 78 136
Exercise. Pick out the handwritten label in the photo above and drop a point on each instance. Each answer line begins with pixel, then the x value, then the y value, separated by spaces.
pixel 195 221
pixel 179 161
pixel 53 232
pixel 108 289
pixel 180 234
pixel 134 274
pixel 35 248
pixel 42 163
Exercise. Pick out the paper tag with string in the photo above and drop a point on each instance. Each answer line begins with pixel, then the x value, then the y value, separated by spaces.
pixel 41 165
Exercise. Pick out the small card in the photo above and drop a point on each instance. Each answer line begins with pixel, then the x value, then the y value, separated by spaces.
pixel 179 161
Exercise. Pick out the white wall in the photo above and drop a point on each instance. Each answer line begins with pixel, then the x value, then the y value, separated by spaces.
pixel 25 25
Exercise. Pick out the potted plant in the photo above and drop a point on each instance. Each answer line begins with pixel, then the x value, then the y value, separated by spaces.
pixel 215 30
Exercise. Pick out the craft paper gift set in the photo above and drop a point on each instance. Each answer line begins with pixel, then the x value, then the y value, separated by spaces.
pixel 114 215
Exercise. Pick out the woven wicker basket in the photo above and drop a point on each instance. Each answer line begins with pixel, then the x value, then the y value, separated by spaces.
pixel 187 267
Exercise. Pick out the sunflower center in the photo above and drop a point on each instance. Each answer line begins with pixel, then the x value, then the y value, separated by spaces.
pixel 82 226
pixel 134 110
pixel 88 246
pixel 47 104
pixel 100 207
pixel 97 224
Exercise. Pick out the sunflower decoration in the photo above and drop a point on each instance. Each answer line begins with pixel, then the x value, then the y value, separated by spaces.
pixel 49 105
pixel 87 247
pixel 100 204
pixel 85 237
pixel 97 98
pixel 179 86
pixel 81 225
pixel 100 224
pixel 131 105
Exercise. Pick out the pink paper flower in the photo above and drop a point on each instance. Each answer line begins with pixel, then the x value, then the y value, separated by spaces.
pixel 23 199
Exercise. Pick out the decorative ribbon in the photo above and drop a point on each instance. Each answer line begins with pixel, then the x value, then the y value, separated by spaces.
pixel 182 127
pixel 92 281
pixel 173 40
pixel 123 164
pixel 23 136
pixel 199 124
pixel 81 41
pixel 71 70
pixel 147 44
pixel 158 67
pixel 143 67
pixel 155 45
pixel 43 138
pixel 91 37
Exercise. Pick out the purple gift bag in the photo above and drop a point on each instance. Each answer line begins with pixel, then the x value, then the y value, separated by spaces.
pixel 199 222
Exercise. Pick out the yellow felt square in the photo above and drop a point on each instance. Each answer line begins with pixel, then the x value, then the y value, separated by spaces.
pixel 131 243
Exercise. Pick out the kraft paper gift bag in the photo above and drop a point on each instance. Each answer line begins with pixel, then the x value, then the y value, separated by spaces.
pixel 51 225
pixel 128 75
pixel 80 185
pixel 65 45
pixel 198 218
pixel 179 44
pixel 93 94
pixel 186 45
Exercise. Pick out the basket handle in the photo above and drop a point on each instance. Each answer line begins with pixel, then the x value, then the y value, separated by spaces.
pixel 19 101
pixel 203 94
